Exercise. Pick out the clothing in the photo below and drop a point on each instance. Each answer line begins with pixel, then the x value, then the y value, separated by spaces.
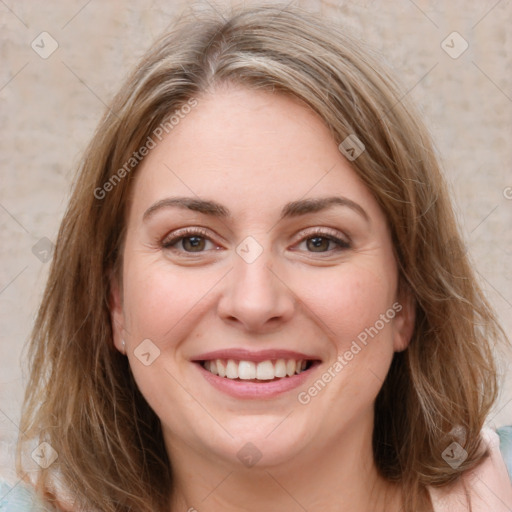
pixel 489 484
pixel 19 498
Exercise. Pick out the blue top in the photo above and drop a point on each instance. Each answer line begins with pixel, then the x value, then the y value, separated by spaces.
pixel 19 498
pixel 505 434
pixel 22 498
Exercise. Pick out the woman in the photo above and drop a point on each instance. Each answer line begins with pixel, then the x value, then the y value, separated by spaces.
pixel 259 297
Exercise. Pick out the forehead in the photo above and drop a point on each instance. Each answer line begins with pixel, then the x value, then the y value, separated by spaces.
pixel 253 149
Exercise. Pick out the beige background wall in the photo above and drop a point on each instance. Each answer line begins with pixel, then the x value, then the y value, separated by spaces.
pixel 50 106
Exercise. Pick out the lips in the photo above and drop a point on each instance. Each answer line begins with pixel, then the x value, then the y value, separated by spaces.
pixel 263 367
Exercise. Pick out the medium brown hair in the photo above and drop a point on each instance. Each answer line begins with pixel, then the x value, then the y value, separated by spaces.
pixel 82 398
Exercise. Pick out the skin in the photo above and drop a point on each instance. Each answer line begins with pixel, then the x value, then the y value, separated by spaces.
pixel 253 152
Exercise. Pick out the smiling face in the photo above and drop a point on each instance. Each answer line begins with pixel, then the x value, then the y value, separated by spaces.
pixel 258 268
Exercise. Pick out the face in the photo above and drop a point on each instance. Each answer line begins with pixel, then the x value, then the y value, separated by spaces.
pixel 259 286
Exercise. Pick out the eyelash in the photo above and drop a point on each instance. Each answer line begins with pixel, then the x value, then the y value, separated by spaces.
pixel 182 234
pixel 328 234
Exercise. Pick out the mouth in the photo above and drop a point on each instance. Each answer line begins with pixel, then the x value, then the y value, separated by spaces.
pixel 252 371
pixel 265 374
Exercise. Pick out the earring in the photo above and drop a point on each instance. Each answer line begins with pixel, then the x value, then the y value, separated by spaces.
pixel 124 347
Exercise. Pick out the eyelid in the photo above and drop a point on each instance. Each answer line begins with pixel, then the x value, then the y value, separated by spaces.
pixel 341 240
pixel 322 231
pixel 189 231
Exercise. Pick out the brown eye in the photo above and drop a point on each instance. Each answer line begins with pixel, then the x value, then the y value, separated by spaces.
pixel 323 242
pixel 192 240
pixel 193 243
pixel 318 244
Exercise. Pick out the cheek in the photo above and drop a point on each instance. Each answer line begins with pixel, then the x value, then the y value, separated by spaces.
pixel 160 300
pixel 350 302
pixel 354 306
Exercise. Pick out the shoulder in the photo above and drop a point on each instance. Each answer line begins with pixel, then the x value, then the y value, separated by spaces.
pixel 488 486
pixel 19 497
pixel 505 435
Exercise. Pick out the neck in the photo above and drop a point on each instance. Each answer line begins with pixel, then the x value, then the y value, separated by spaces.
pixel 324 477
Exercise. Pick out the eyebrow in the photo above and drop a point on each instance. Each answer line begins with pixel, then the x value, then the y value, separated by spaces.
pixel 293 209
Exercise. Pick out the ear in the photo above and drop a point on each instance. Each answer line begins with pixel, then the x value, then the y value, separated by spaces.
pixel 404 321
pixel 116 312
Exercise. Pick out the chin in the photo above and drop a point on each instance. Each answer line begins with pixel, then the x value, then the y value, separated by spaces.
pixel 265 442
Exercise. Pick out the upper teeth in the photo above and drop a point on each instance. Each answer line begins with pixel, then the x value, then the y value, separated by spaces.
pixel 246 370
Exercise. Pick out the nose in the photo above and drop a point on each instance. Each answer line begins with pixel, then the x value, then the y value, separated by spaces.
pixel 255 298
